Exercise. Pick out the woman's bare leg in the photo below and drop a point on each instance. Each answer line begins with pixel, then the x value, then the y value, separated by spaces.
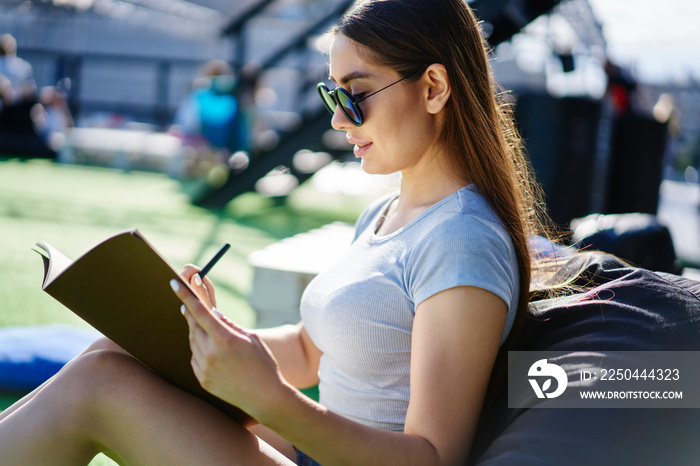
pixel 100 344
pixel 107 401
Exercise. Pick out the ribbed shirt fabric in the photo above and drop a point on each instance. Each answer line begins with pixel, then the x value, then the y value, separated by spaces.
pixel 360 311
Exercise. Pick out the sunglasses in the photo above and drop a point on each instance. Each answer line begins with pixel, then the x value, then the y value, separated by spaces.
pixel 348 104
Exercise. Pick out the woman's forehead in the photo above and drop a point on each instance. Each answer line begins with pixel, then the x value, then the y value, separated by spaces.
pixel 347 62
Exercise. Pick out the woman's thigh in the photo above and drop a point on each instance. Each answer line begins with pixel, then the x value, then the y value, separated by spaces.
pixel 139 418
pixel 275 440
pixel 99 344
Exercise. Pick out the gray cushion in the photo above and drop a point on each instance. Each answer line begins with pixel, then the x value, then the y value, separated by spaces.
pixel 624 309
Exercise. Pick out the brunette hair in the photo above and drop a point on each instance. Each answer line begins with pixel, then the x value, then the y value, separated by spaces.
pixel 410 35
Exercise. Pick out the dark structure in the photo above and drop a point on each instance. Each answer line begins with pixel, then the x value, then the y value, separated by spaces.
pixel 502 18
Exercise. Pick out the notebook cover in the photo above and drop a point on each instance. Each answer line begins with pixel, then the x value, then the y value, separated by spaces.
pixel 121 287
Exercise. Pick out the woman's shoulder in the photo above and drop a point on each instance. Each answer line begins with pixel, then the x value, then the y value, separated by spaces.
pixel 474 204
pixel 467 211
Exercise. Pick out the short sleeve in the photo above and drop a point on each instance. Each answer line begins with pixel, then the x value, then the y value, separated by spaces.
pixel 464 251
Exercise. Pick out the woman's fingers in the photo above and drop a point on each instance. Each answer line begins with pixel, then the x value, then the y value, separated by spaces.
pixel 188 271
pixel 208 318
pixel 197 309
pixel 197 335
pixel 201 289
pixel 223 352
pixel 210 290
pixel 203 286
pixel 200 346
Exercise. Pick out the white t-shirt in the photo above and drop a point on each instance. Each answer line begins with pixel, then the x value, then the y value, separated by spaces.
pixel 360 312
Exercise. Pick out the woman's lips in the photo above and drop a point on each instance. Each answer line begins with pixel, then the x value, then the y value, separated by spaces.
pixel 361 149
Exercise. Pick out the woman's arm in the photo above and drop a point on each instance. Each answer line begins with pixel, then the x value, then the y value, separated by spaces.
pixel 455 340
pixel 456 337
pixel 296 354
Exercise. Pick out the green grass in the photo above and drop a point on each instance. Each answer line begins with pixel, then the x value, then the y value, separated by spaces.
pixel 75 207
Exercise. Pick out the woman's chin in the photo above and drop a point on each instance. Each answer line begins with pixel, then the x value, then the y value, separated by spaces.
pixel 372 169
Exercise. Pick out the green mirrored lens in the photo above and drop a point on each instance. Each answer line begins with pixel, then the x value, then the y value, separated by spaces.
pixel 348 107
pixel 327 99
pixel 339 96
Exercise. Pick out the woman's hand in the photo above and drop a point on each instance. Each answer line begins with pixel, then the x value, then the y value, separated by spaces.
pixel 203 286
pixel 229 361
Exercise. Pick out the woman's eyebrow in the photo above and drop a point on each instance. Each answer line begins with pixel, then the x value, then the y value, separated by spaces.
pixel 351 76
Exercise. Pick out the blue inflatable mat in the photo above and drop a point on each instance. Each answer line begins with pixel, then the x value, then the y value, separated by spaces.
pixel 31 355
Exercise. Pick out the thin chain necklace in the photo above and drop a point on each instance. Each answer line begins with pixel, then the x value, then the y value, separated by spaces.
pixel 381 220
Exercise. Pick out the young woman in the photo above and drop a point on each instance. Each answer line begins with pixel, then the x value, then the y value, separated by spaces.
pixel 401 335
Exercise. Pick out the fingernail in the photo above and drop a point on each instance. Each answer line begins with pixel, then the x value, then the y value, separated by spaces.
pixel 174 285
pixel 183 308
pixel 216 312
pixel 197 280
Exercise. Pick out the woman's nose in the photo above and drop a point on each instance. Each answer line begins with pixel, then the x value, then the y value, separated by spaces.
pixel 339 121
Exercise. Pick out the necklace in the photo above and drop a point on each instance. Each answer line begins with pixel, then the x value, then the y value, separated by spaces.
pixel 381 220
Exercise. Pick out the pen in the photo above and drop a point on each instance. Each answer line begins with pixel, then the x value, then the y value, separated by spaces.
pixel 214 260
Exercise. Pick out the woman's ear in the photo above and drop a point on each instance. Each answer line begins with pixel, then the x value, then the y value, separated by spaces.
pixel 438 87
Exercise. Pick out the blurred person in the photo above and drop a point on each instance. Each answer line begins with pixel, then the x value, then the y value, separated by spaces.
pixel 18 134
pixel 51 114
pixel 15 113
pixel 621 87
pixel 18 71
pixel 401 335
pixel 211 108
pixel 7 92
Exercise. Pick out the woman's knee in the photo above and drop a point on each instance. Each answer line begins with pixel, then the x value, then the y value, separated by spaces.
pixel 104 343
pixel 78 393
pixel 93 375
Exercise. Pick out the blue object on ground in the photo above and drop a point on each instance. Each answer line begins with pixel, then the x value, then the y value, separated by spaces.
pixel 31 355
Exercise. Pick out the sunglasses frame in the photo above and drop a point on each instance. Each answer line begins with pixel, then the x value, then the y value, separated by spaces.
pixel 324 91
pixel 333 94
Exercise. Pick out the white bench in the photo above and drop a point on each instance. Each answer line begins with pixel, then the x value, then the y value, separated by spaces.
pixel 282 270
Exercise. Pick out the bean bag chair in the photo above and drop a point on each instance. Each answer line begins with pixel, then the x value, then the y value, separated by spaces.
pixel 30 355
pixel 618 308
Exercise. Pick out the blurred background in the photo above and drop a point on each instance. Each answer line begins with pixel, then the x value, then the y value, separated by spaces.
pixel 214 103
pixel 198 122
pixel 219 94
pixel 118 114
